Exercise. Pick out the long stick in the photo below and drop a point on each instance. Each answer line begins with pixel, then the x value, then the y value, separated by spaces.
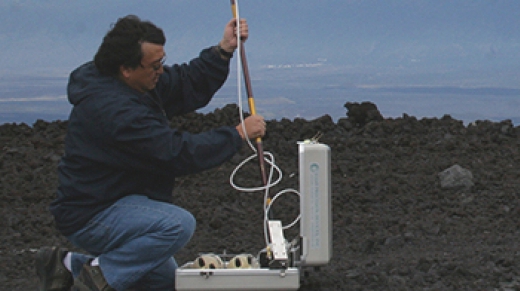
pixel 251 100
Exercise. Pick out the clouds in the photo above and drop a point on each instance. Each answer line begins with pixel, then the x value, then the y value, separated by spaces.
pixel 65 33
pixel 296 47
pixel 59 35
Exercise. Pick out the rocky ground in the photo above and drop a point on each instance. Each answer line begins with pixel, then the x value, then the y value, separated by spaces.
pixel 395 227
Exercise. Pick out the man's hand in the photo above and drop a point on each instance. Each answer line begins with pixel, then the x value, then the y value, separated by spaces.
pixel 255 127
pixel 229 41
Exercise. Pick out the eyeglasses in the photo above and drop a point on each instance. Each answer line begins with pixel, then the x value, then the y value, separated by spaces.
pixel 156 66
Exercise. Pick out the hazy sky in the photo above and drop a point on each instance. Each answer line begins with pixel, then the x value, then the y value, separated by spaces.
pixel 408 56
pixel 420 42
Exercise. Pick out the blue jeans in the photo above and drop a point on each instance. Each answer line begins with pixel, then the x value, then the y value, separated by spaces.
pixel 135 240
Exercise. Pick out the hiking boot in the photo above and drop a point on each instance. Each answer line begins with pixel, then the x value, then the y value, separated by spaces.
pixel 91 279
pixel 51 271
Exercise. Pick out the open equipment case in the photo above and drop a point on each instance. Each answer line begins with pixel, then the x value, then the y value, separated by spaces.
pixel 279 266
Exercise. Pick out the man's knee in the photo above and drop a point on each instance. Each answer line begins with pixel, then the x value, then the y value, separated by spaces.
pixel 180 228
pixel 188 224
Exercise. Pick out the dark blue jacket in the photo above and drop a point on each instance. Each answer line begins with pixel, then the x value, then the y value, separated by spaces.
pixel 119 141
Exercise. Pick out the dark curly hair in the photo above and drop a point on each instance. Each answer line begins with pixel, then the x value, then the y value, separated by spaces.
pixel 122 44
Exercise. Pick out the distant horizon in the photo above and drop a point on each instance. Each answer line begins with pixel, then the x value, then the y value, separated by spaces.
pixel 307 58
pixel 30 99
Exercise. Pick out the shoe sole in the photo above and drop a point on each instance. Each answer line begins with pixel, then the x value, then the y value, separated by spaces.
pixel 79 286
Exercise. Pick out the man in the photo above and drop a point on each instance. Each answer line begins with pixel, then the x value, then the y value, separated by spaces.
pixel 114 198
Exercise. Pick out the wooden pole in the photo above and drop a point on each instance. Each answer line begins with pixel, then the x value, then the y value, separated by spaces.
pixel 251 100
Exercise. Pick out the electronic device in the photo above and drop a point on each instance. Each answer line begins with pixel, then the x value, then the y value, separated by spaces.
pixel 280 265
